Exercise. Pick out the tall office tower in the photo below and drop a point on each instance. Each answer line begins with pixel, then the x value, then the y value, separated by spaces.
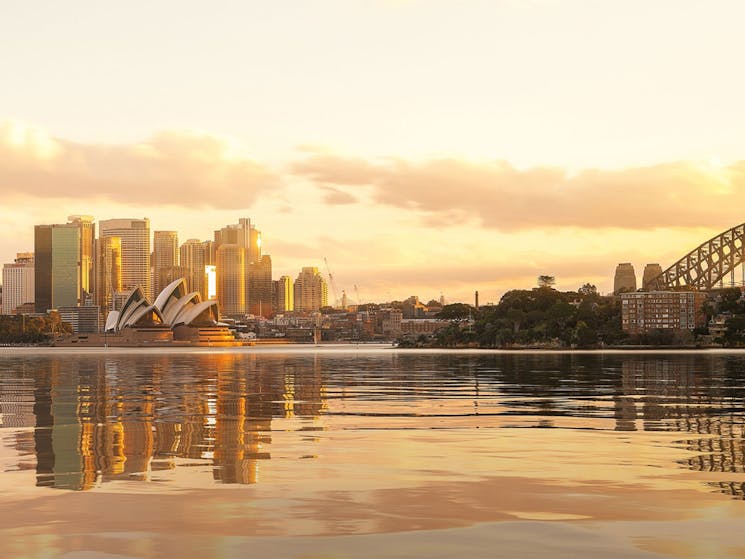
pixel 57 266
pixel 165 259
pixel 87 254
pixel 18 282
pixel 43 268
pixel 651 271
pixel 191 256
pixel 236 234
pixel 65 250
pixel 260 287
pixel 310 291
pixel 625 279
pixel 135 239
pixel 284 296
pixel 108 271
pixel 210 253
pixel 254 244
pixel 231 279
pixel 247 237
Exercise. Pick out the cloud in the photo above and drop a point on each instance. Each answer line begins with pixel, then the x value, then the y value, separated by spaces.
pixel 334 196
pixel 180 168
pixel 497 195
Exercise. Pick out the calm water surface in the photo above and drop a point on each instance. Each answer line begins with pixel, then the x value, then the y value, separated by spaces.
pixel 345 452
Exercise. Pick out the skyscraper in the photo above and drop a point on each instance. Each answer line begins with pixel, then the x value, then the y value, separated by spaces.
pixel 257 288
pixel 108 271
pixel 165 258
pixel 135 250
pixel 229 294
pixel 284 296
pixel 18 282
pixel 236 234
pixel 231 279
pixel 310 290
pixel 43 268
pixel 191 256
pixel 85 223
pixel 63 270
pixel 260 287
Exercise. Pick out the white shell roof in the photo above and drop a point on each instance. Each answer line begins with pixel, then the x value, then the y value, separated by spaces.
pixel 173 306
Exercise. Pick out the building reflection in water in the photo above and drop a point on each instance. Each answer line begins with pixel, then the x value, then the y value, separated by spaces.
pixel 118 417
pixel 691 395
pixel 100 419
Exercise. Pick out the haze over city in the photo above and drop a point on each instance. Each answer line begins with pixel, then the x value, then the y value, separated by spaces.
pixel 422 147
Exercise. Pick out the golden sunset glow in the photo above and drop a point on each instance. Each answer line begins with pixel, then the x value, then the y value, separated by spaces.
pixel 421 147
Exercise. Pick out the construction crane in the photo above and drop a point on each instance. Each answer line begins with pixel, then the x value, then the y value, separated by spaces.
pixel 332 282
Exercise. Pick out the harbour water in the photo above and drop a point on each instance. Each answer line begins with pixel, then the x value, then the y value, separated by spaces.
pixel 370 452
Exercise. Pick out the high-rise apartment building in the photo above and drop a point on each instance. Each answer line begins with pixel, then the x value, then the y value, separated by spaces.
pixel 108 272
pixel 135 248
pixel 18 282
pixel 625 278
pixel 231 279
pixel 310 290
pixel 284 296
pixel 165 259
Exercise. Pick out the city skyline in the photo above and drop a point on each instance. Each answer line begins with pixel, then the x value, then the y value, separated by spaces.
pixel 418 164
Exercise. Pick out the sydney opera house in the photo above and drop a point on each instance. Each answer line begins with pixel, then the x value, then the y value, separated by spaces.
pixel 177 317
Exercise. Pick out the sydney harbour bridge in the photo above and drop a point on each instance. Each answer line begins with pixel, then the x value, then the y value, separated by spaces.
pixel 709 266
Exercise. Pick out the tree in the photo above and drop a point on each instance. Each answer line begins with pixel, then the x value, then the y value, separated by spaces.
pixel 546 281
pixel 587 290
pixel 455 311
pixel 585 335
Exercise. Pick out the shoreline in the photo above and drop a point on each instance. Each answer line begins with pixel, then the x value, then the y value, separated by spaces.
pixel 351 348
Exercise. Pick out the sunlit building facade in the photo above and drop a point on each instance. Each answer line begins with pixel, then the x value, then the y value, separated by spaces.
pixel 64 259
pixel 135 250
pixel 231 279
pixel 284 295
pixel 165 259
pixel 18 282
pixel 87 228
pixel 310 290
pixel 108 271
pixel 191 255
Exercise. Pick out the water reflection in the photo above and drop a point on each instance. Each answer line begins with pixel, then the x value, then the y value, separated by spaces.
pixel 99 419
pixel 80 421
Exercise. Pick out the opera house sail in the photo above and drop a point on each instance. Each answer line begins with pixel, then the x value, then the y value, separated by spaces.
pixel 177 317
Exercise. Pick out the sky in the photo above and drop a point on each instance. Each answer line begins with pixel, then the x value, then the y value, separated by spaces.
pixel 421 146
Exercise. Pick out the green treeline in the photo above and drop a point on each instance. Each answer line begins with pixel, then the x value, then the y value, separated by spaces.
pixel 536 317
pixel 31 329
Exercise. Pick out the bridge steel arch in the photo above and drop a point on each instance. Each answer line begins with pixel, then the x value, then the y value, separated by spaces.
pixel 707 265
